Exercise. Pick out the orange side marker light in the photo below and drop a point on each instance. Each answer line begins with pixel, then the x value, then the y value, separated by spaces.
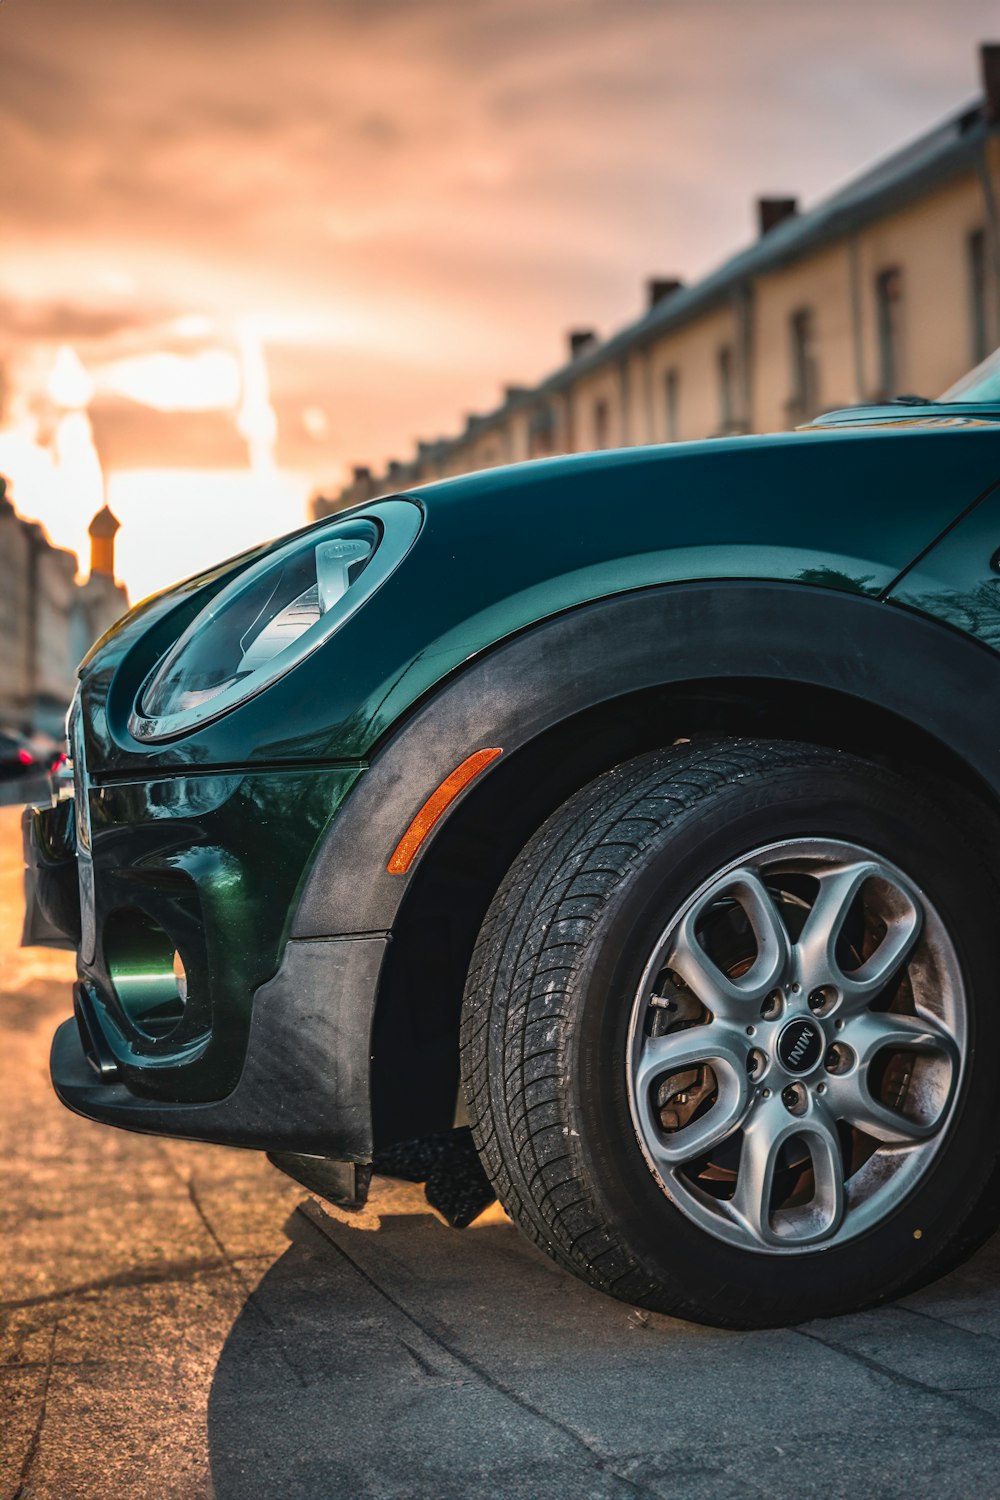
pixel 437 803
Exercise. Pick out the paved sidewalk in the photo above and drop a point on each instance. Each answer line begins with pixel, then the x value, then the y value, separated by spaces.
pixel 183 1322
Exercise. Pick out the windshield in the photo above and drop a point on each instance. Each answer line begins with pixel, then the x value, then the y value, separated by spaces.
pixel 981 384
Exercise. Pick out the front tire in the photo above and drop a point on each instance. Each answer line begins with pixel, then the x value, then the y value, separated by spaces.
pixel 730 1037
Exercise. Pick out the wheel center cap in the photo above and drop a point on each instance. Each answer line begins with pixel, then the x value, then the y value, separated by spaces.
pixel 800 1046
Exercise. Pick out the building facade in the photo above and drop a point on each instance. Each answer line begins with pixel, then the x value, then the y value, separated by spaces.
pixel 890 285
pixel 47 619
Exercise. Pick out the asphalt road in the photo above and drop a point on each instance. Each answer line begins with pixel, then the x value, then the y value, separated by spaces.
pixel 182 1322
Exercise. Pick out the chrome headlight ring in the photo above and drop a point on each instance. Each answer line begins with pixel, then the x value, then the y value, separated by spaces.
pixel 272 616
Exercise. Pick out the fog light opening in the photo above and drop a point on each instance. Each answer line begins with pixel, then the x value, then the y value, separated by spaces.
pixel 148 973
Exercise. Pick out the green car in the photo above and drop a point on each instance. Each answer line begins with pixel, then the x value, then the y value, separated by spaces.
pixel 640 809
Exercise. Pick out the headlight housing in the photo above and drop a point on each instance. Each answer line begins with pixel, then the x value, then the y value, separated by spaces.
pixel 272 616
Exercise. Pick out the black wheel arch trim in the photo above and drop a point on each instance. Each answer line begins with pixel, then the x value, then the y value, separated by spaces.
pixel 941 682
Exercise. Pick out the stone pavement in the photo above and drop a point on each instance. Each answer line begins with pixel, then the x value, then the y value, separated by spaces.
pixel 183 1322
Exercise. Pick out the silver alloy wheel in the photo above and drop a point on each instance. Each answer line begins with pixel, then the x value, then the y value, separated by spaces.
pixel 796 1046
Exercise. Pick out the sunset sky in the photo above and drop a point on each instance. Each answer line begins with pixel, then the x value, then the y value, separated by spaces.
pixel 244 245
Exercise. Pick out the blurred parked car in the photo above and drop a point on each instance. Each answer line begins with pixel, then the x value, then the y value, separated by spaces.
pixel 17 758
pixel 61 778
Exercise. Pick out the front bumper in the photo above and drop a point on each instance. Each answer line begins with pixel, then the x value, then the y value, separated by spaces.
pixel 304 1085
pixel 194 1014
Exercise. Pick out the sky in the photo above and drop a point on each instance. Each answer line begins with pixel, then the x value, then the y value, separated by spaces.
pixel 246 245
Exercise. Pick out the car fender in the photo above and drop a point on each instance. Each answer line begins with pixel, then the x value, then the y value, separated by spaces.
pixel 933 678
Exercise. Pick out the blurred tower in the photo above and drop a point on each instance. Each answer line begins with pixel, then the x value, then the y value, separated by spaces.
pixel 100 600
pixel 78 473
pixel 256 420
pixel 102 531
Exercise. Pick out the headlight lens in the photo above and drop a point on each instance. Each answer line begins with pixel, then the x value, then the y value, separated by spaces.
pixel 271 617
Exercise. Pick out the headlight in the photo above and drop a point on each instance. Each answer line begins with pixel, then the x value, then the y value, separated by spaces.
pixel 276 613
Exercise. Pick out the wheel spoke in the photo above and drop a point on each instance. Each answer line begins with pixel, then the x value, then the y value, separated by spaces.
pixel 766 1132
pixel 852 1101
pixel 870 1034
pixel 723 1051
pixel 688 958
pixel 816 950
pixel 875 1031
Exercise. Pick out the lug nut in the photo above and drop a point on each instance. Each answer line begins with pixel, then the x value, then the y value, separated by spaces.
pixel 838 1058
pixel 771 1008
pixel 821 1000
pixel 756 1062
pixel 793 1098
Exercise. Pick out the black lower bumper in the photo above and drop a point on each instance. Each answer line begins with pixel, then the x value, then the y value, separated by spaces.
pixel 305 1085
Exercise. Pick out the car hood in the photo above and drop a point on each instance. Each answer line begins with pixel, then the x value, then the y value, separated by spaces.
pixel 500 550
pixel 911 414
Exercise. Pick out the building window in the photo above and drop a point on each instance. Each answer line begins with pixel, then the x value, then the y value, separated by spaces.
pixel 541 433
pixel 602 424
pixel 804 398
pixel 726 391
pixel 672 397
pixel 889 321
pixel 978 319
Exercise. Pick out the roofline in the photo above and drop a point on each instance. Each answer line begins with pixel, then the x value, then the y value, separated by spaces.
pixel 791 240
pixel 964 133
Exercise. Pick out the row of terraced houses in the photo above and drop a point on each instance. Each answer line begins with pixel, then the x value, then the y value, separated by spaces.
pixel 891 285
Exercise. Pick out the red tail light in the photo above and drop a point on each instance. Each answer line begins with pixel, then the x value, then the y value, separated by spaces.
pixel 26 758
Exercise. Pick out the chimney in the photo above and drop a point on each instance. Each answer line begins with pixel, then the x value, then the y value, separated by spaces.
pixel 514 393
pixel 102 531
pixel 989 66
pixel 581 341
pixel 774 211
pixel 659 287
pixel 362 474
